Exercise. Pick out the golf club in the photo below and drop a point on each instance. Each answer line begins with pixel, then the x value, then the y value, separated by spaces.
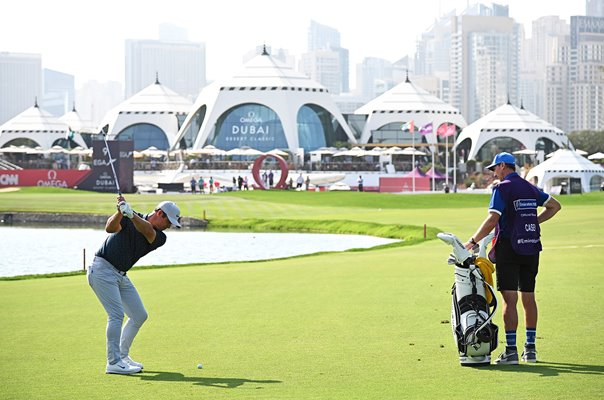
pixel 104 132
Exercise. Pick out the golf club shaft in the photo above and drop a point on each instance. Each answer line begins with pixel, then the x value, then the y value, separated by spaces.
pixel 117 183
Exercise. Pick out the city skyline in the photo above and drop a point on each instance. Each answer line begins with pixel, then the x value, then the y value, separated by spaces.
pixel 76 37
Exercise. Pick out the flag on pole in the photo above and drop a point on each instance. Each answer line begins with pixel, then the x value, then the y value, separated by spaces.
pixel 408 126
pixel 69 134
pixel 426 129
pixel 442 129
pixel 451 130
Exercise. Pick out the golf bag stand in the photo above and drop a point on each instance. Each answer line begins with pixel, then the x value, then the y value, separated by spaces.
pixel 473 303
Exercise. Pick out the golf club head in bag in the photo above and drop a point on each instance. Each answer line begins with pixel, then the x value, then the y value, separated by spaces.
pixel 472 300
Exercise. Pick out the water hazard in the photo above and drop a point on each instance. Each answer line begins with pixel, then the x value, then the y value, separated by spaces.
pixel 26 251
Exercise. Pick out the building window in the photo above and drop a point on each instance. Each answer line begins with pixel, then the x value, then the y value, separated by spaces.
pixel 144 136
pixel 192 129
pixel 318 128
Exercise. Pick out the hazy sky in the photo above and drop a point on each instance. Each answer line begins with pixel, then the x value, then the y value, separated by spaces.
pixel 86 38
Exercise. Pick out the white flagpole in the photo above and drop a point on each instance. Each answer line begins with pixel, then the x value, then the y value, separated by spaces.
pixel 433 170
pixel 413 161
pixel 454 164
pixel 447 158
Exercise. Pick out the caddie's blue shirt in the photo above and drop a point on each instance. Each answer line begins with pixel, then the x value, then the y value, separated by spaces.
pixel 124 248
pixel 498 205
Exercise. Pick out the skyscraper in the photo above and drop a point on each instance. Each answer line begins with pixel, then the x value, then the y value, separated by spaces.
pixel 59 92
pixel 484 61
pixel 179 65
pixel 434 48
pixel 374 77
pixel 586 73
pixel 594 8
pixel 539 53
pixel 20 83
pixel 325 61
pixel 321 37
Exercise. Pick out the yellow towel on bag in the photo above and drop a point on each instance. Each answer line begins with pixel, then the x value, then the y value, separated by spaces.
pixel 487 268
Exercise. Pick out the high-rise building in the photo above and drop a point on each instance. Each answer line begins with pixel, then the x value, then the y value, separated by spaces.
pixel 58 92
pixel 180 66
pixel 20 83
pixel 324 54
pixel 434 48
pixel 374 77
pixel 594 8
pixel 323 66
pixel 586 74
pixel 95 99
pixel 484 64
pixel 556 90
pixel 321 37
pixel 538 54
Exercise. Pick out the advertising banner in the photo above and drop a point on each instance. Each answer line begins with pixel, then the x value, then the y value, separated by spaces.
pixel 63 178
pixel 101 179
pixel 250 125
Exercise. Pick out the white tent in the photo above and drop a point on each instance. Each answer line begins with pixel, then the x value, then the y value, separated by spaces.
pixel 155 105
pixel 269 90
pixel 567 164
pixel 511 122
pixel 408 102
pixel 38 126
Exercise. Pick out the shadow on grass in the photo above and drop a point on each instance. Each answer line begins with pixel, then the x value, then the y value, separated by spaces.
pixel 225 383
pixel 545 368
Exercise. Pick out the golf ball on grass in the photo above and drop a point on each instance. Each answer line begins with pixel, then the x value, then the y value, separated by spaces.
pixel 199 366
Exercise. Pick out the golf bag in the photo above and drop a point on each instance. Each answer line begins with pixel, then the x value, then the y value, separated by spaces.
pixel 473 303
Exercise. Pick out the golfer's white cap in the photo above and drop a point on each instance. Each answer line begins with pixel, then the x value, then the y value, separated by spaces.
pixel 172 212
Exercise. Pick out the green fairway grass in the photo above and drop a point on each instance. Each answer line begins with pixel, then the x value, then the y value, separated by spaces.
pixel 352 325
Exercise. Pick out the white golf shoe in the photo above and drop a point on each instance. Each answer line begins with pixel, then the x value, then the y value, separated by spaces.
pixel 131 362
pixel 121 368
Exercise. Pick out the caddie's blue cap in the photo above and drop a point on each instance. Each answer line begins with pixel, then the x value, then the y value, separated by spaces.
pixel 502 157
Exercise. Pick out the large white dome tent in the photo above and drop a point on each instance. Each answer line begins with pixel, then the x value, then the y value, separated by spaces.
pixel 509 128
pixel 267 105
pixel 37 127
pixel 562 166
pixel 151 117
pixel 404 103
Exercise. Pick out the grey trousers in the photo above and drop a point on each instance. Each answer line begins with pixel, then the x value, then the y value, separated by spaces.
pixel 117 295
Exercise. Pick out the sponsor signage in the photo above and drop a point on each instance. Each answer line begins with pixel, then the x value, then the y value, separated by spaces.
pixel 99 178
pixel 63 178
pixel 249 129
pixel 251 125
pixel 122 156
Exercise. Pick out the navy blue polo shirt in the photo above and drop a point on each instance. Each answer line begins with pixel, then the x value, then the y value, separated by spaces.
pixel 516 201
pixel 124 248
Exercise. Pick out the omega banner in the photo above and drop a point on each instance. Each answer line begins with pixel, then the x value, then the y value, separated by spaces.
pixel 101 178
pixel 63 178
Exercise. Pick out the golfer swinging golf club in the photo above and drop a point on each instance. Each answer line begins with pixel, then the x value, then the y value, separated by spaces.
pixel 132 235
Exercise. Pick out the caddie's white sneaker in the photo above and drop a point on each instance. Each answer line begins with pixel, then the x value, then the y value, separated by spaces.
pixel 121 368
pixel 131 362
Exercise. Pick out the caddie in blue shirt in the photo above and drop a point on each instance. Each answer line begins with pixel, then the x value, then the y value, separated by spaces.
pixel 513 214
